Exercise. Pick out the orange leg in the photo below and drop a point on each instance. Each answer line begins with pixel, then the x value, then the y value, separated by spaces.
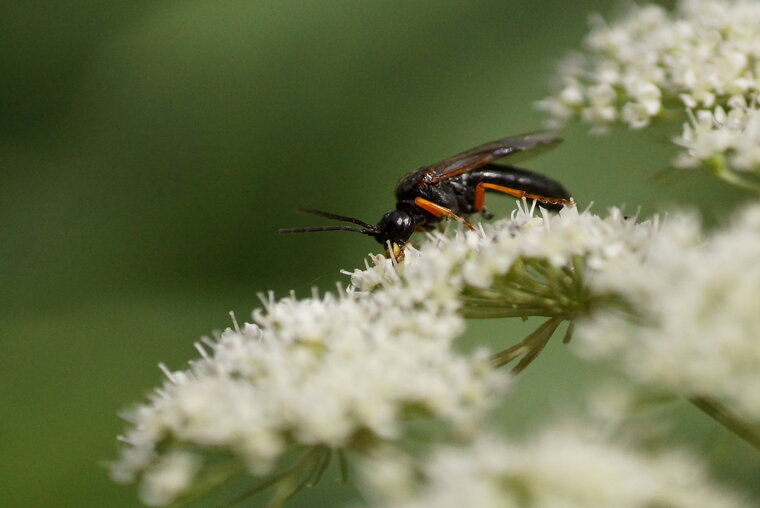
pixel 440 211
pixel 480 195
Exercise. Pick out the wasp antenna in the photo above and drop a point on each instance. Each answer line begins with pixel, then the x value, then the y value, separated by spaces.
pixel 369 232
pixel 335 216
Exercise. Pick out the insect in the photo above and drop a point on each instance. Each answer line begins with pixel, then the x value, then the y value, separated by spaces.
pixel 455 188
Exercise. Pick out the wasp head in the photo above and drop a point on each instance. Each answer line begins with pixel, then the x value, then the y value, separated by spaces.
pixel 395 227
pixel 393 230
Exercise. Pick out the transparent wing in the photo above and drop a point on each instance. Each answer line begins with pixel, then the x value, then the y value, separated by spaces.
pixel 530 144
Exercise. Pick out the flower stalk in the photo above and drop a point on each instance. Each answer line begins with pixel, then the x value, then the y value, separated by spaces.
pixel 742 427
pixel 529 348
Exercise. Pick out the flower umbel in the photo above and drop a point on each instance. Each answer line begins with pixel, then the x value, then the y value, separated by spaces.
pixel 534 264
pixel 727 143
pixel 653 64
pixel 320 376
pixel 330 373
pixel 564 466
pixel 692 321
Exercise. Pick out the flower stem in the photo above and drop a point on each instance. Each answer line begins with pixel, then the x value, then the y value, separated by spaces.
pixel 720 413
pixel 305 472
pixel 718 166
pixel 529 348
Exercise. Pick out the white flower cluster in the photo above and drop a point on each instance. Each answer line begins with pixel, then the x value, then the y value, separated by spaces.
pixel 704 54
pixel 323 370
pixel 479 261
pixel 563 466
pixel 703 59
pixel 326 371
pixel 348 371
pixel 693 326
pixel 721 139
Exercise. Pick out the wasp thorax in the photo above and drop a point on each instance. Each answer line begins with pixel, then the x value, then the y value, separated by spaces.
pixel 395 226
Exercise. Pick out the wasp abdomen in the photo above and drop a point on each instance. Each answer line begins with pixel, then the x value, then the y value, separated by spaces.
pixel 520 179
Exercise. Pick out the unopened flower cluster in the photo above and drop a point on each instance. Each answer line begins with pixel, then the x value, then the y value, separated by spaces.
pixel 562 466
pixel 649 63
pixel 321 371
pixel 692 326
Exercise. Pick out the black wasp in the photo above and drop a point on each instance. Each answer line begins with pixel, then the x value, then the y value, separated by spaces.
pixel 456 188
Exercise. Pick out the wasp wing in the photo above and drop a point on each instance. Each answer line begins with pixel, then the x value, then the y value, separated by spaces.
pixel 534 142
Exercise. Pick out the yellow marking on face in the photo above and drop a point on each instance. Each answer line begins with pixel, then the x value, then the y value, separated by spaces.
pixel 395 251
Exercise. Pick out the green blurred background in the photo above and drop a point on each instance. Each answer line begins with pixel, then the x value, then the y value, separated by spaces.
pixel 150 150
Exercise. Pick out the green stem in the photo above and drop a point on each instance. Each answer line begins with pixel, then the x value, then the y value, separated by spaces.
pixel 720 413
pixel 313 458
pixel 528 348
pixel 500 312
pixel 212 478
pixel 504 357
pixel 342 466
pixel 545 333
pixel 718 167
